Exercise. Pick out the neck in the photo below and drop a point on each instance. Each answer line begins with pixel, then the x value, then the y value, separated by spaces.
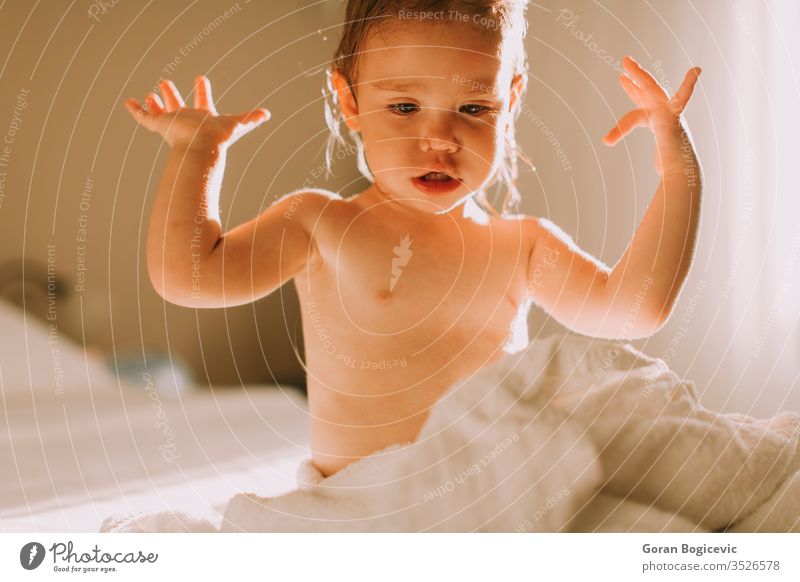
pixel 465 210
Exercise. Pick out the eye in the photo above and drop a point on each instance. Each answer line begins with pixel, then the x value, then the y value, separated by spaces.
pixel 403 108
pixel 474 109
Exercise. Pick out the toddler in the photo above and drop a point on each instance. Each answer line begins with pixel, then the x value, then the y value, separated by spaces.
pixel 417 282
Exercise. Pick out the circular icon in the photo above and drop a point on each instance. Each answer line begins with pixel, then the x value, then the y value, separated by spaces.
pixel 31 555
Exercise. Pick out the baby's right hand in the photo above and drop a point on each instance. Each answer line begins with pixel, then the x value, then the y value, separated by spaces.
pixel 201 126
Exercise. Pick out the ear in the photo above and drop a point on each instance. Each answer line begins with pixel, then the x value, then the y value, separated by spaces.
pixel 346 100
pixel 517 85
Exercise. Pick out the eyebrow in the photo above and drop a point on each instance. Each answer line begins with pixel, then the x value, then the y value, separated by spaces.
pixel 473 87
pixel 397 85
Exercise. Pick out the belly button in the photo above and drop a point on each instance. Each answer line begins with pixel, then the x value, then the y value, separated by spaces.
pixel 384 295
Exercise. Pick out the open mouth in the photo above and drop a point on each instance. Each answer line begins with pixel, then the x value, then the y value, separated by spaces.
pixel 436 183
pixel 436 177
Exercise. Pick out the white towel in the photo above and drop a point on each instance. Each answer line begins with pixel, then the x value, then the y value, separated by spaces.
pixel 162 521
pixel 571 434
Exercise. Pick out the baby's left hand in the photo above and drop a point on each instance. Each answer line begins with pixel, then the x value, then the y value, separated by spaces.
pixel 655 109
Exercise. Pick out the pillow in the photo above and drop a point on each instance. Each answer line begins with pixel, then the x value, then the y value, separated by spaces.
pixel 37 357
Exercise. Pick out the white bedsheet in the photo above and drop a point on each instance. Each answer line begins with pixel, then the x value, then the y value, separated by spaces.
pixel 70 460
pixel 571 434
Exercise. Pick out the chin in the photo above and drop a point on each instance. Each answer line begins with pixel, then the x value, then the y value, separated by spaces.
pixel 429 202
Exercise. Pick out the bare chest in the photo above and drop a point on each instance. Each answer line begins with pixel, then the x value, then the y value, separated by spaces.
pixel 384 282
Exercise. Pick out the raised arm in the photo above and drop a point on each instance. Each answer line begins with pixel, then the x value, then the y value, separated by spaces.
pixel 636 297
pixel 191 262
pixel 567 282
pixel 250 261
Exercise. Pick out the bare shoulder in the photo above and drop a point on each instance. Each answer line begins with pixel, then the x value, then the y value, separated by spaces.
pixel 542 230
pixel 544 240
pixel 312 198
pixel 308 205
pixel 528 226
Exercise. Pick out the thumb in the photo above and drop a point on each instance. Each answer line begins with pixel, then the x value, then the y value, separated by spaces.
pixel 255 117
pixel 135 109
pixel 147 119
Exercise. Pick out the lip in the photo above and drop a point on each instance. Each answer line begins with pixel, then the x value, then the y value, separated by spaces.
pixel 436 188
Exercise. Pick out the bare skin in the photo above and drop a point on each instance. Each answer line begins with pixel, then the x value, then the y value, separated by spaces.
pixel 379 357
pixel 404 292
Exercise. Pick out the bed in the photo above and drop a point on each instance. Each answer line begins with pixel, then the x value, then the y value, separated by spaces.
pixel 78 444
pixel 571 439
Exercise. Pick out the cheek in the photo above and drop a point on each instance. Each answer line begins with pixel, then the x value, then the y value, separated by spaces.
pixel 484 144
pixel 386 150
pixel 384 138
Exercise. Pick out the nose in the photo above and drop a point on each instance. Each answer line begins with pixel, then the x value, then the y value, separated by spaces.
pixel 437 133
pixel 438 145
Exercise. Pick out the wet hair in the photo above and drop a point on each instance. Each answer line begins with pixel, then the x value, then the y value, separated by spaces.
pixel 506 18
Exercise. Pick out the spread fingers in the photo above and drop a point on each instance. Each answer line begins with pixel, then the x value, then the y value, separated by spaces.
pixel 684 92
pixel 628 122
pixel 172 98
pixel 154 103
pixel 632 90
pixel 644 79
pixel 202 95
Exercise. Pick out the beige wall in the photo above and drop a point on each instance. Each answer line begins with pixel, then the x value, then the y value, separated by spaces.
pixel 79 69
pixel 734 331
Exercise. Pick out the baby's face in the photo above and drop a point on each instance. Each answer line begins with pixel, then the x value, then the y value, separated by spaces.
pixel 433 101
